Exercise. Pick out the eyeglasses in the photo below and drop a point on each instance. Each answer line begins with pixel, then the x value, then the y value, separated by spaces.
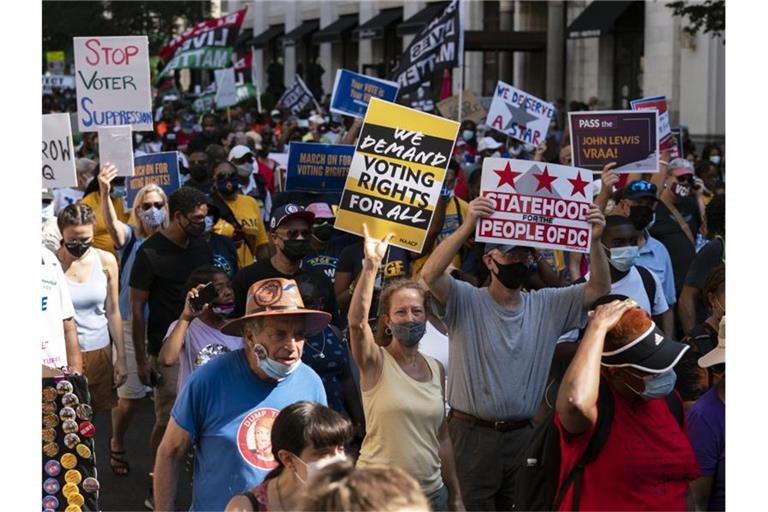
pixel 293 234
pixel 147 206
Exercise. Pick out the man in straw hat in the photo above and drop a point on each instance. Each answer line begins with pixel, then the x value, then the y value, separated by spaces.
pixel 224 404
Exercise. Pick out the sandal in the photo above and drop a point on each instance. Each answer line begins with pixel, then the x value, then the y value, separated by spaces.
pixel 120 466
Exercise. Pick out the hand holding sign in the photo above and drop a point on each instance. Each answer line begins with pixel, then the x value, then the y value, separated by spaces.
pixel 105 177
pixel 479 208
pixel 597 219
pixel 373 248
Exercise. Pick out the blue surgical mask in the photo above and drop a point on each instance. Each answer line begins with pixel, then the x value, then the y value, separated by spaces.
pixel 657 386
pixel 622 258
pixel 408 333
pixel 118 192
pixel 715 159
pixel 274 369
pixel 467 135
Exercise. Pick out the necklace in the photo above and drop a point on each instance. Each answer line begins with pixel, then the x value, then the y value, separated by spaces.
pixel 320 353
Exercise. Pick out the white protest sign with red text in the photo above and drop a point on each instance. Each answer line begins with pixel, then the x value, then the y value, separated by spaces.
pixel 537 205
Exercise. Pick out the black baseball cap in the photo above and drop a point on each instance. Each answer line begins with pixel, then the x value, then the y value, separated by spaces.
pixel 289 211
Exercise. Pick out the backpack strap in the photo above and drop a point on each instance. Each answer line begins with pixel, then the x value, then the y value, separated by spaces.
pixel 675 407
pixel 649 283
pixel 680 220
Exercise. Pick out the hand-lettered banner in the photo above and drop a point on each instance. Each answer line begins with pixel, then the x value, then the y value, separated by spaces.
pixel 116 148
pixel 471 108
pixel 537 205
pixel 112 78
pixel 162 169
pixel 626 137
pixel 520 115
pixel 318 167
pixel 352 92
pixel 659 103
pixel 205 102
pixel 58 152
pixel 51 82
pixel 396 174
pixel 207 45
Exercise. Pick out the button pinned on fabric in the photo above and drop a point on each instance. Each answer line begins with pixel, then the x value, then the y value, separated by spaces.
pixel 83 451
pixel 90 484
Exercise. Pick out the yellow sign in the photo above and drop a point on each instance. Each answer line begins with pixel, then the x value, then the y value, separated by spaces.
pixel 57 56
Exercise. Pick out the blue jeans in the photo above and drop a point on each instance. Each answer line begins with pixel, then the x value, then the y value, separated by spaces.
pixel 439 499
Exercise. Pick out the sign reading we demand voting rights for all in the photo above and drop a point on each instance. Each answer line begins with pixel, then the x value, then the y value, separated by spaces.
pixel 352 92
pixel 318 167
pixel 112 82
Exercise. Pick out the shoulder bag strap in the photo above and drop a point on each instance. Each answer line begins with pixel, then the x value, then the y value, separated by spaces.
pixel 680 220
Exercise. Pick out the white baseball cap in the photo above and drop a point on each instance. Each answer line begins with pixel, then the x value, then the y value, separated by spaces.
pixel 488 143
pixel 717 354
pixel 239 152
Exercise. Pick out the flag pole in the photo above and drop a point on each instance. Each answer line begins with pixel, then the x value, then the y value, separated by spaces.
pixel 461 57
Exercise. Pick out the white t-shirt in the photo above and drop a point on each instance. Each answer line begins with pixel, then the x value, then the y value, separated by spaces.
pixel 63 197
pixel 56 307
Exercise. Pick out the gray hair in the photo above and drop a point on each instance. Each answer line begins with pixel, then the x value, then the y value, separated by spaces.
pixel 255 325
pixel 85 165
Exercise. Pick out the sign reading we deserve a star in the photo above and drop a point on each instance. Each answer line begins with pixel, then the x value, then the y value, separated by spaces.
pixel 537 205
pixel 520 115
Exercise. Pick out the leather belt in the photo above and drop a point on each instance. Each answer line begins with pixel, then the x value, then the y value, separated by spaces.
pixel 499 426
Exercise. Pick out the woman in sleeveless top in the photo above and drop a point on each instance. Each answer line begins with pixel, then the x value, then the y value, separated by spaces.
pixel 402 389
pixel 306 437
pixel 149 213
pixel 92 280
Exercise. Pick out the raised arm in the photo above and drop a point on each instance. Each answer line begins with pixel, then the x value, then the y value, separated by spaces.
pixel 365 352
pixel 577 396
pixel 351 135
pixel 599 282
pixel 172 344
pixel 609 179
pixel 117 230
pixel 660 177
pixel 434 269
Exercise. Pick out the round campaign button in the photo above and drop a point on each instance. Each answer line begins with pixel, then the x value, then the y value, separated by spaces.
pixel 64 387
pixel 83 451
pixel 70 400
pixel 76 499
pixel 72 508
pixel 67 413
pixel 49 435
pixel 50 420
pixel 73 476
pixel 68 461
pixel 69 427
pixel 90 484
pixel 49 408
pixel 49 394
pixel 71 440
pixel 51 449
pixel 68 490
pixel 87 429
pixel 84 412
pixel 51 486
pixel 52 468
pixel 50 502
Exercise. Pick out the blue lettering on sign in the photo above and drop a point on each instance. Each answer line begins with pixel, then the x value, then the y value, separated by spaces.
pixel 45 303
pixel 112 117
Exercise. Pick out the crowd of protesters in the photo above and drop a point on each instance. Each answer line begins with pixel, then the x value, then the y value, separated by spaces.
pixel 307 368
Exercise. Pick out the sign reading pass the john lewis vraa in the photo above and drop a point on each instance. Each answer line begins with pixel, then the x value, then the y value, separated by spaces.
pixel 520 115
pixel 318 167
pixel 630 139
pixel 112 82
pixel 352 92
pixel 396 174
pixel 537 205
pixel 58 152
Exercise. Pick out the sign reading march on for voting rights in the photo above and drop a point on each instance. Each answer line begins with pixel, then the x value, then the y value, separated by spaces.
pixel 318 167
pixel 396 174
pixel 537 205
pixel 58 152
pixel 352 92
pixel 162 169
pixel 520 115
pixel 628 138
pixel 112 82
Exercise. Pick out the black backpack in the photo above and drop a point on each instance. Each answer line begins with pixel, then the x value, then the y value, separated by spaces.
pixel 538 475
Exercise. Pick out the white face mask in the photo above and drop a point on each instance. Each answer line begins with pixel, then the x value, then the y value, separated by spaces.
pixel 244 170
pixel 314 467
pixel 496 154
pixel 715 159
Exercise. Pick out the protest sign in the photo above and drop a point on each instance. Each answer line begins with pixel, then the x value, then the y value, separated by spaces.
pixel 280 159
pixel 520 115
pixel 297 97
pixel 207 45
pixel 205 102
pixel 51 82
pixel 116 148
pixel 112 77
pixel 396 174
pixel 58 152
pixel 537 205
pixel 678 152
pixel 56 61
pixel 623 136
pixel 352 92
pixel 318 167
pixel 226 95
pixel 162 169
pixel 659 103
pixel 471 108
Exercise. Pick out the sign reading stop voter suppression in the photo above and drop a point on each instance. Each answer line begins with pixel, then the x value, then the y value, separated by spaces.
pixel 537 205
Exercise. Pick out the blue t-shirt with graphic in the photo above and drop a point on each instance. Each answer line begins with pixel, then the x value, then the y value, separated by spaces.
pixel 228 412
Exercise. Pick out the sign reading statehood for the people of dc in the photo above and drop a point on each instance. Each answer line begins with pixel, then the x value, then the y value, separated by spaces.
pixel 520 115
pixel 112 82
pixel 396 174
pixel 318 167
pixel 352 92
pixel 58 152
pixel 162 169
pixel 630 139
pixel 537 205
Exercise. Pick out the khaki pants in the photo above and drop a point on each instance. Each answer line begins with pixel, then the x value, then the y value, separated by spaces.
pixel 98 369
pixel 165 394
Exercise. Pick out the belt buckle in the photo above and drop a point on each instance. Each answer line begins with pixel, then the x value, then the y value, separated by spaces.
pixel 499 425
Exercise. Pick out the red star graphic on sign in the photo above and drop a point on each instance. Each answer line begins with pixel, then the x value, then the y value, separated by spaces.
pixel 545 180
pixel 507 175
pixel 578 185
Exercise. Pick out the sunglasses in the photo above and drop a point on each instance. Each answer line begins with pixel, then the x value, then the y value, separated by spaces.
pixel 147 206
pixel 685 178
pixel 293 234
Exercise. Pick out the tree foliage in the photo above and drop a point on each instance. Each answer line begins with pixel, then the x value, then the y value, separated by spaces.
pixel 707 16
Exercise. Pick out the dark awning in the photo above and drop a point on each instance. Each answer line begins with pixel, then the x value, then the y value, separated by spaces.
pixel 266 37
pixel 374 27
pixel 296 35
pixel 334 32
pixel 416 22
pixel 597 19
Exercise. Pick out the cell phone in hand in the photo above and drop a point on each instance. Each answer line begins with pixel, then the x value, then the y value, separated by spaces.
pixel 205 296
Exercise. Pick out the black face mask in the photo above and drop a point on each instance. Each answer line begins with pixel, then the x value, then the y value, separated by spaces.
pixel 296 250
pixel 77 249
pixel 323 232
pixel 194 229
pixel 511 276
pixel 641 216
pixel 198 172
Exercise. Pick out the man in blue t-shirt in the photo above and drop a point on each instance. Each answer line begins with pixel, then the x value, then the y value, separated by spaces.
pixel 227 407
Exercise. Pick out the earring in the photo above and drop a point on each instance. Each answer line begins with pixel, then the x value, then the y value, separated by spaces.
pixel 388 331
